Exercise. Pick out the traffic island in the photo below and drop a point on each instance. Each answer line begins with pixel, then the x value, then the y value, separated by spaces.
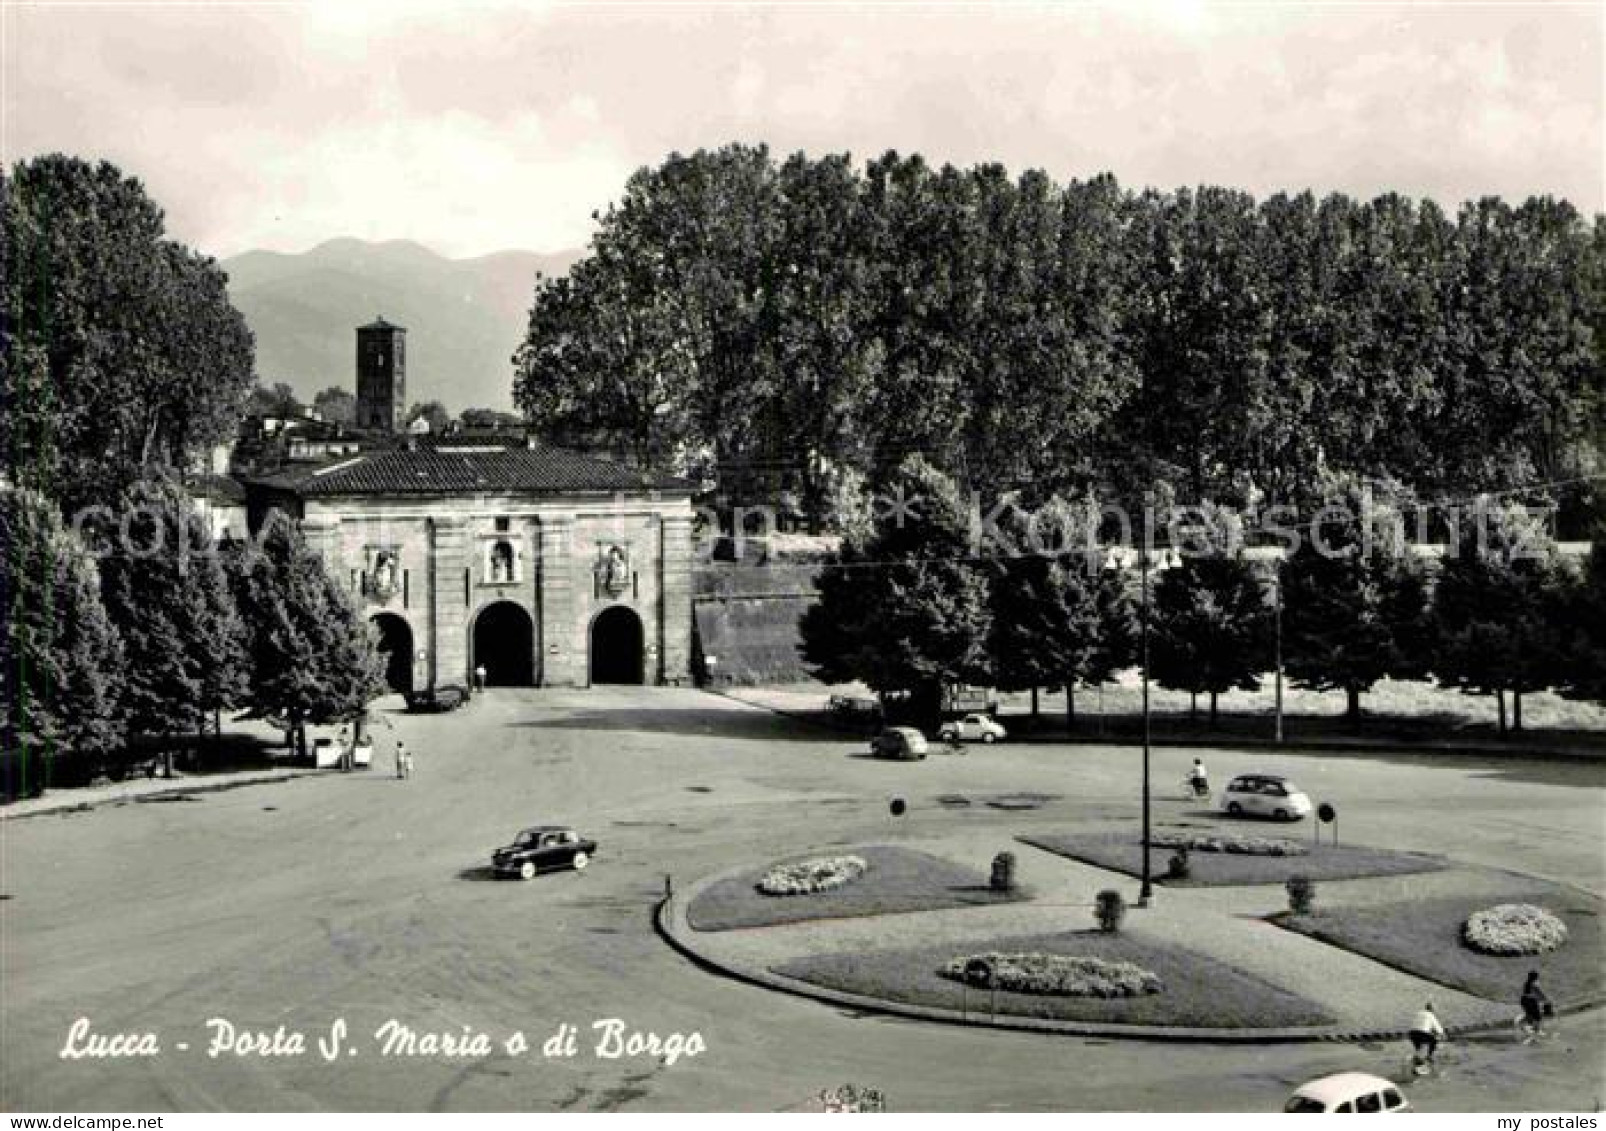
pixel 1189 990
pixel 1230 858
pixel 1427 938
pixel 892 880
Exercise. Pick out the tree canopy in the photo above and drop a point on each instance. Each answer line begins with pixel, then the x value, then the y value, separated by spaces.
pixel 119 349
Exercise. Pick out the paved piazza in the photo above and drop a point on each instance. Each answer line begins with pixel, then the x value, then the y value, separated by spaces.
pixel 364 898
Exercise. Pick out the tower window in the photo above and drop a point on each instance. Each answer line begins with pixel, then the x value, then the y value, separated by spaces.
pixel 502 525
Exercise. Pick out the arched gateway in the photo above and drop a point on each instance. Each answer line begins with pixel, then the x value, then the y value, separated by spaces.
pixel 396 645
pixel 504 644
pixel 616 638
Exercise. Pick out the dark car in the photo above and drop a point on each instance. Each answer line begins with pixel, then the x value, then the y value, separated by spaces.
pixel 903 744
pixel 435 700
pixel 541 849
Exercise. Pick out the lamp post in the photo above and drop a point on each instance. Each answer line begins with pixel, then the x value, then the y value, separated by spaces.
pixel 1277 615
pixel 1146 892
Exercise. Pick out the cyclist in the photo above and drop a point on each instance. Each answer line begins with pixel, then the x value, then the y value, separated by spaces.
pixel 1199 779
pixel 1426 1033
pixel 1534 1007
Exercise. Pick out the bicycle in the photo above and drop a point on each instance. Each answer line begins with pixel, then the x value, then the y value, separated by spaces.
pixel 1198 789
pixel 1531 1031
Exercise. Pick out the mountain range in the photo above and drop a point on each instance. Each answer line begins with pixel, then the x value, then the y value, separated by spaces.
pixel 464 317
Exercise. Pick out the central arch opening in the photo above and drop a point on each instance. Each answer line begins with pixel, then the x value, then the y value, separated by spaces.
pixel 616 646
pixel 396 645
pixel 504 645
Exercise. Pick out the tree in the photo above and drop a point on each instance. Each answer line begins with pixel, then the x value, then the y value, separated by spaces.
pixel 278 400
pixel 1497 609
pixel 119 349
pixel 1584 613
pixel 336 405
pixel 905 610
pixel 1211 623
pixel 432 411
pixel 165 588
pixel 1353 594
pixel 481 419
pixel 60 655
pixel 311 659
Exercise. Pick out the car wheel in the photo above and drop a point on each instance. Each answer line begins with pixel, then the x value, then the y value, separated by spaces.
pixel 989 738
pixel 580 861
pixel 527 870
pixel 1281 814
pixel 1235 809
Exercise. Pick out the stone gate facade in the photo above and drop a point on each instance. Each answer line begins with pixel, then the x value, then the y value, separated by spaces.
pixel 540 565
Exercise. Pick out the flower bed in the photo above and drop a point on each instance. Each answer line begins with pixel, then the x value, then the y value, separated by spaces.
pixel 1059 974
pixel 1236 843
pixel 1513 929
pixel 806 877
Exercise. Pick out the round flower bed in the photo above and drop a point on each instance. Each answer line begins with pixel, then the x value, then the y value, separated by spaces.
pixel 1513 929
pixel 1057 974
pixel 809 876
pixel 1235 843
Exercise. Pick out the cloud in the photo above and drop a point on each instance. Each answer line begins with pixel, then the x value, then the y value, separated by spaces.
pixel 477 127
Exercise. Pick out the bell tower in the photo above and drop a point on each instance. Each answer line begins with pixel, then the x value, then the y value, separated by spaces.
pixel 381 376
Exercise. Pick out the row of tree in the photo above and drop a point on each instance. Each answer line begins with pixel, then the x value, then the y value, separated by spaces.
pixel 776 325
pixel 915 601
pixel 140 629
pixel 122 362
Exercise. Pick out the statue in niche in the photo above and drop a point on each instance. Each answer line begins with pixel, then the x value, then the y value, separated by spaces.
pixel 615 570
pixel 383 577
pixel 501 563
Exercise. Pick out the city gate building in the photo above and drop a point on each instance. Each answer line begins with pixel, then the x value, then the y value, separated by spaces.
pixel 544 566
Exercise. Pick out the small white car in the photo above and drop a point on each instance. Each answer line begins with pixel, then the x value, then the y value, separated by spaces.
pixel 1265 795
pixel 1348 1093
pixel 972 728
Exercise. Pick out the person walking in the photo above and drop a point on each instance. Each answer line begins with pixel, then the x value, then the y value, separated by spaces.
pixel 1535 1005
pixel 479 678
pixel 404 760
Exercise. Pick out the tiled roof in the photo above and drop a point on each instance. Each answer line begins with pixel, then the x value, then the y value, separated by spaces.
pixel 441 471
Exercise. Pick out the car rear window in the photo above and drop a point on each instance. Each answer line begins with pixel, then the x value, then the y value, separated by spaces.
pixel 1392 1098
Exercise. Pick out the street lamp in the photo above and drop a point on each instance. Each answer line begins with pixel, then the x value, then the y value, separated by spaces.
pixel 1146 892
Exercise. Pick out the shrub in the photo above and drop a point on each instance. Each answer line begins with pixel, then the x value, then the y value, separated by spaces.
pixel 1179 867
pixel 807 877
pixel 1512 929
pixel 1301 894
pixel 1236 843
pixel 1003 877
pixel 1053 974
pixel 1109 908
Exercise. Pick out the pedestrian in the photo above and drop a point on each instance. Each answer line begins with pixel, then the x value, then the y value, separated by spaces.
pixel 1535 1005
pixel 479 678
pixel 404 760
pixel 1426 1033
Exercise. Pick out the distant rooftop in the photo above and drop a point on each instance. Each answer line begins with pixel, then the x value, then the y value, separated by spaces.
pixel 469 470
pixel 379 323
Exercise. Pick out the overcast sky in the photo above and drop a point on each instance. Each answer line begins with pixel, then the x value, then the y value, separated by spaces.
pixel 475 128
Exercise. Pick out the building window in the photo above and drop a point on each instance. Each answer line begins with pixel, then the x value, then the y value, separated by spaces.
pixel 502 525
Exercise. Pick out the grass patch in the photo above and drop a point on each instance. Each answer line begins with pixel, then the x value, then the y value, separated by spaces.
pixel 1423 937
pixel 1122 853
pixel 896 880
pixel 1199 992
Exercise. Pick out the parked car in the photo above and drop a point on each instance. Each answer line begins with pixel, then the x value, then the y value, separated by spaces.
pixel 435 700
pixel 905 744
pixel 1348 1093
pixel 973 728
pixel 543 848
pixel 1265 795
